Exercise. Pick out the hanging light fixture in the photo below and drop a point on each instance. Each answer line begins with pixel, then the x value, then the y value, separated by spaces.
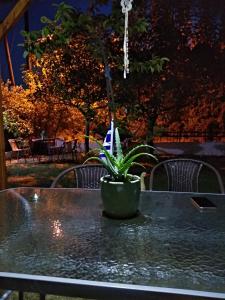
pixel 126 7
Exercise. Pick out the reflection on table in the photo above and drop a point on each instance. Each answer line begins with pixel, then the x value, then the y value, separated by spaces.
pixel 62 232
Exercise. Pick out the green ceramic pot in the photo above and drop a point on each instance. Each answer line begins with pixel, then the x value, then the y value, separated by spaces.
pixel 120 199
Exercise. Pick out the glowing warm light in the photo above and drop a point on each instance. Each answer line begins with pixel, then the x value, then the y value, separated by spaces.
pixel 57 229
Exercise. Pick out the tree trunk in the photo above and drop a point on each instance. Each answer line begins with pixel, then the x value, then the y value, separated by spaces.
pixel 150 130
pixel 2 145
pixel 87 132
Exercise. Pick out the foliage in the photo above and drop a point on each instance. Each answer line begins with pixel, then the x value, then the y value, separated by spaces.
pixel 103 34
pixel 83 44
pixel 189 86
pixel 119 164
pixel 18 111
pixel 189 93
pixel 154 65
pixel 10 125
pixel 24 117
pixel 66 79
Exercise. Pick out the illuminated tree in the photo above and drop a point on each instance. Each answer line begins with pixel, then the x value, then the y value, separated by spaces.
pixel 18 110
pixel 79 80
pixel 66 79
pixel 191 35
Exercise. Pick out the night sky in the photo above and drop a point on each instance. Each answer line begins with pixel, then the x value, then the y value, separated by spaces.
pixel 36 9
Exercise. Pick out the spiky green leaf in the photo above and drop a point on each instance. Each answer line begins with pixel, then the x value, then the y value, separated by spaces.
pixel 132 151
pixel 128 163
pixel 118 145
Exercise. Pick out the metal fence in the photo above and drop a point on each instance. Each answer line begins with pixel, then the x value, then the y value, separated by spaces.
pixel 190 136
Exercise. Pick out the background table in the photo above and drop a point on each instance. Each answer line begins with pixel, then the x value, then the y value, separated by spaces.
pixel 169 245
pixel 41 146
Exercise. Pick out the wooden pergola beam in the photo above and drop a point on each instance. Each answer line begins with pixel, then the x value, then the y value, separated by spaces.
pixel 9 60
pixel 14 15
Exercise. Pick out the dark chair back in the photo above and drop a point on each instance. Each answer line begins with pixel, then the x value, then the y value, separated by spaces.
pixel 183 174
pixel 85 176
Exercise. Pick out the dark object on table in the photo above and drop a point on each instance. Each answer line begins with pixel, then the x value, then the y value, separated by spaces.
pixel 203 203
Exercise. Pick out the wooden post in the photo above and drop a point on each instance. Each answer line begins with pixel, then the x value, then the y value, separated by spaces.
pixel 13 16
pixel 2 144
pixel 9 60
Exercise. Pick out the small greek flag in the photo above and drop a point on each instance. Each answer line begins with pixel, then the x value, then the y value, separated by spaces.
pixel 108 141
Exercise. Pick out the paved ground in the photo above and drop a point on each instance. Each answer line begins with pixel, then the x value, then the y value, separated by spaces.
pixel 41 159
pixel 183 149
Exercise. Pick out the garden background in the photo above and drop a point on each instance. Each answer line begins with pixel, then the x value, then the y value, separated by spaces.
pixel 63 92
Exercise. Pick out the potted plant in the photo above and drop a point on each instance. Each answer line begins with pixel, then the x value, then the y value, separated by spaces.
pixel 120 191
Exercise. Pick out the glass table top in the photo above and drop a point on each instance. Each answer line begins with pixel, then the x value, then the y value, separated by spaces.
pixel 63 233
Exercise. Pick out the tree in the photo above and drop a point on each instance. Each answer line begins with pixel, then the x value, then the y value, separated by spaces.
pixel 67 80
pixel 190 34
pixel 99 48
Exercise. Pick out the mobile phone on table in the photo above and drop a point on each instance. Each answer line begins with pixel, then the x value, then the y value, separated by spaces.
pixel 203 203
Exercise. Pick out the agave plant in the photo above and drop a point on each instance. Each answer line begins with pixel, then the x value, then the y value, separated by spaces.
pixel 119 164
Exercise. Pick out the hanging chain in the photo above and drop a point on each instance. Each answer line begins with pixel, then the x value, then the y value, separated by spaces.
pixel 126 7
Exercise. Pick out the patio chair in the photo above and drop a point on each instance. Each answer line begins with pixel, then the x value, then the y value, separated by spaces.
pixel 19 152
pixel 183 174
pixel 85 176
